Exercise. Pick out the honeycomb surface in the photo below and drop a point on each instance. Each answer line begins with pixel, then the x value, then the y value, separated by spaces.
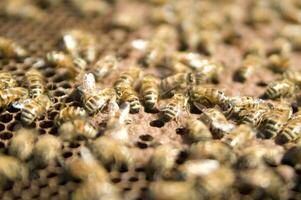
pixel 145 133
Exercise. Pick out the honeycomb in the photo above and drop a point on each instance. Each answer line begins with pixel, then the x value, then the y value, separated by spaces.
pixel 145 131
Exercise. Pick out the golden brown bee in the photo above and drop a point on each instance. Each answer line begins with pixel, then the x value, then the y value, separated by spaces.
pixel 24 9
pixel 97 100
pixel 164 14
pixel 46 150
pixel 212 149
pixel 208 72
pixel 239 136
pixel 250 64
pixel 176 190
pixel 256 47
pixel 281 46
pixel 293 75
pixel 208 40
pixel 289 12
pixel 77 129
pixel 64 61
pixel 7 80
pixel 127 77
pixel 129 18
pixel 252 116
pixel 291 131
pixel 10 49
pixel 279 63
pixel 162 161
pixel 194 60
pixel 22 144
pixel 282 88
pixel 112 152
pixel 35 108
pixel 215 183
pixel 261 15
pixel 90 8
pixel 197 130
pixel 35 82
pixel 217 122
pixel 104 66
pixel 175 105
pixel 292 33
pixel 11 170
pixel 10 95
pixel 70 113
pixel 80 44
pixel 128 94
pixel 202 96
pixel 150 90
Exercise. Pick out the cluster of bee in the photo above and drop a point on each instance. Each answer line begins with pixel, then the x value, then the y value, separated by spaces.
pixel 235 146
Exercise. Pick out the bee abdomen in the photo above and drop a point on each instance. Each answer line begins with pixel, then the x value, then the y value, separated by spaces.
pixel 28 114
pixel 169 113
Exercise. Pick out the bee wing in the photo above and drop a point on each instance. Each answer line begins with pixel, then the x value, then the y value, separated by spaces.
pixel 199 106
pixel 21 104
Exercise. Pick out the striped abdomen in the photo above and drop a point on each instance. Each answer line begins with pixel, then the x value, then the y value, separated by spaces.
pixel 129 95
pixel 95 103
pixel 169 112
pixel 278 89
pixel 30 112
pixel 290 132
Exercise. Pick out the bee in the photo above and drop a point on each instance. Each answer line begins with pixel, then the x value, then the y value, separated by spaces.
pixel 256 47
pixel 104 66
pixel 70 113
pixel 282 88
pixel 197 130
pixel 292 156
pixel 80 44
pixel 11 95
pixel 281 46
pixel 7 80
pixel 162 161
pixel 217 122
pixel 292 75
pixel 22 144
pixel 91 8
pixel 291 130
pixel 97 100
pixel 292 33
pixel 46 150
pixel 112 152
pixel 177 81
pixel 128 77
pixel 208 72
pixel 177 190
pixel 252 117
pixel 239 136
pixel 128 94
pixel 11 49
pixel 174 107
pixel 96 189
pixel 77 129
pixel 289 12
pixel 193 60
pixel 218 182
pixel 35 82
pixel 279 63
pixel 64 61
pixel 85 166
pixel 202 96
pixel 250 64
pixel 128 19
pixel 208 40
pixel 11 170
pixel 35 108
pixel 212 149
pixel 150 90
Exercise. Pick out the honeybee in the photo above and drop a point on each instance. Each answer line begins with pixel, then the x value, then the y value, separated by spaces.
pixel 80 44
pixel 62 60
pixel 11 49
pixel 70 113
pixel 292 75
pixel 7 80
pixel 11 170
pixel 208 40
pixel 289 12
pixel 162 161
pixel 212 149
pixel 292 156
pixel 290 131
pixel 77 129
pixel 250 64
pixel 256 47
pixel 174 107
pixel 292 33
pixel 128 19
pixel 112 152
pixel 239 136
pixel 279 63
pixel 90 8
pixel 197 130
pixel 95 189
pixel 177 190
pixel 193 60
pixel 202 96
pixel 35 82
pixel 208 72
pixel 150 91
pixel 282 88
pixel 46 149
pixel 22 144
pixel 217 122
pixel 281 46
pixel 128 77
pixel 10 95
pixel 252 116
pixel 35 108
pixel 85 166
pixel 104 66
pixel 215 183
pixel 128 94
